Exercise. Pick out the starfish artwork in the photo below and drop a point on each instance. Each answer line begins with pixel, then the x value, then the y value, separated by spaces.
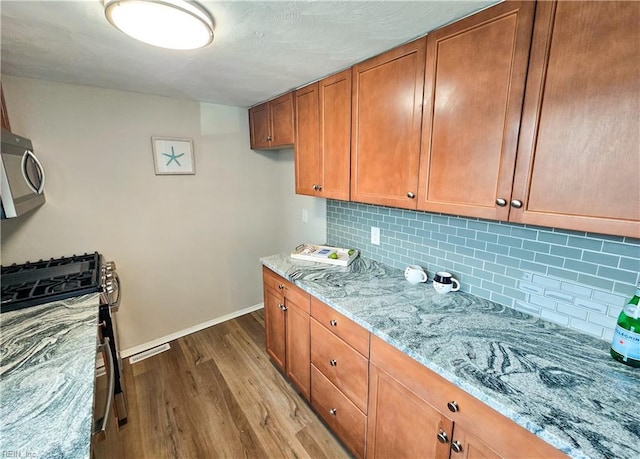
pixel 173 157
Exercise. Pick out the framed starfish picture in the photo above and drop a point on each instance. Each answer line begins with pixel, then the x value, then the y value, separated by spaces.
pixel 173 156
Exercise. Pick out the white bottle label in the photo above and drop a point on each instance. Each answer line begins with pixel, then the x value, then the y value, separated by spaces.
pixel 626 343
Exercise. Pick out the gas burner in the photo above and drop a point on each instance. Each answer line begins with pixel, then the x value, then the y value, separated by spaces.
pixel 34 283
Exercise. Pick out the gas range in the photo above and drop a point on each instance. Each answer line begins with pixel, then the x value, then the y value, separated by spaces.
pixel 34 283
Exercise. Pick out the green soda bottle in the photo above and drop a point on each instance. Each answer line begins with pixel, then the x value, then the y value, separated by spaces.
pixel 625 346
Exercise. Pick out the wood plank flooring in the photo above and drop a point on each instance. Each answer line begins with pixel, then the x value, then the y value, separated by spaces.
pixel 215 394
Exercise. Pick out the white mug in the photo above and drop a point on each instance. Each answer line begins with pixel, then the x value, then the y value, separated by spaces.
pixel 415 274
pixel 443 282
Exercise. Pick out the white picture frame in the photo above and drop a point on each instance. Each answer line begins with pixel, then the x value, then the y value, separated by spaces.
pixel 173 156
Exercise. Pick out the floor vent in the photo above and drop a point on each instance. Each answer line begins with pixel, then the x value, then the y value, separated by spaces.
pixel 150 353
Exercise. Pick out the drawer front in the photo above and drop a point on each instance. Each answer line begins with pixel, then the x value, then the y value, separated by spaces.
pixel 342 416
pixel 341 364
pixel 352 333
pixel 294 295
pixel 273 282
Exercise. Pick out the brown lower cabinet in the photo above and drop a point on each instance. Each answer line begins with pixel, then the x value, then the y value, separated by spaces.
pixel 411 410
pixel 286 316
pixel 380 402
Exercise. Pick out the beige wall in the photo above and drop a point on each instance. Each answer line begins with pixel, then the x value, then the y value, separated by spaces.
pixel 186 247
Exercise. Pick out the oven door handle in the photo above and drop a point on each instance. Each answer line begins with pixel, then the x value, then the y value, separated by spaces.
pixel 100 428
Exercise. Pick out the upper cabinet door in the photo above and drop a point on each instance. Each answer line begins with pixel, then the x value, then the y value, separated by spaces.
pixel 307 145
pixel 259 126
pixel 271 124
pixel 386 124
pixel 474 88
pixel 281 118
pixel 579 151
pixel 335 136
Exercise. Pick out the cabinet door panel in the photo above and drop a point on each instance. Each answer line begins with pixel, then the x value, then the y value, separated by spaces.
pixel 335 135
pixel 274 322
pixel 298 352
pixel 476 70
pixel 281 111
pixel 578 157
pixel 307 146
pixel 259 126
pixel 387 118
pixel 401 425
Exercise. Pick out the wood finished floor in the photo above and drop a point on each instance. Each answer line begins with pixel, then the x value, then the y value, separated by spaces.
pixel 215 394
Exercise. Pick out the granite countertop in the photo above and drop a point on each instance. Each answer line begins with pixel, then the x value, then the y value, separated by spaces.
pixel 47 375
pixel 555 382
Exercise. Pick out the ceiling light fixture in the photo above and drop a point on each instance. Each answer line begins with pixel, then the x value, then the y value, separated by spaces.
pixel 173 24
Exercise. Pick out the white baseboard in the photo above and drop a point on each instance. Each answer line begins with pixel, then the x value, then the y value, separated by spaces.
pixel 187 331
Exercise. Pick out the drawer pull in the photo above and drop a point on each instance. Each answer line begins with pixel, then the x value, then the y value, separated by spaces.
pixel 442 436
pixel 282 307
pixel 456 447
pixel 333 363
pixel 280 286
pixel 453 406
pixel 333 323
pixel 333 411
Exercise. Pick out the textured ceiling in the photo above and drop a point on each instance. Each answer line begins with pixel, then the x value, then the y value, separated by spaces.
pixel 260 49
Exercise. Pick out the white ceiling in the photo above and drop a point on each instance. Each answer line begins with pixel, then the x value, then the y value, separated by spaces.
pixel 261 48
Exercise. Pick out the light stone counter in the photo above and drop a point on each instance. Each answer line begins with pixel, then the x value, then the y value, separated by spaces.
pixel 555 382
pixel 47 374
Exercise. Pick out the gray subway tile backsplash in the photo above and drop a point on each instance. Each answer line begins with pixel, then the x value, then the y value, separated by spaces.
pixel 576 279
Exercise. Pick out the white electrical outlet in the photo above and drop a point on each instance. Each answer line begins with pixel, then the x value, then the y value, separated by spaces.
pixel 375 235
pixel 305 216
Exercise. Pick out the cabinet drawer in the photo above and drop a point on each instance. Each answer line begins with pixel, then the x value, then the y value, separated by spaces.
pixel 342 416
pixel 295 295
pixel 352 333
pixel 341 364
pixel 272 281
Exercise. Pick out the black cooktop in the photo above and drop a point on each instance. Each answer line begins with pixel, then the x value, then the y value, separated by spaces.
pixel 30 284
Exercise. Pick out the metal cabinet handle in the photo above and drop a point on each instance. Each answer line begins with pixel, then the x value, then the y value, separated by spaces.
pixel 280 287
pixel 456 447
pixel 410 195
pixel 319 188
pixel 268 138
pixel 453 406
pixel 442 436
pixel 333 323
pixel 516 204
pixel 40 187
pixel 315 187
pixel 501 202
pixel 333 411
pixel 100 427
pixel 333 362
pixel 282 307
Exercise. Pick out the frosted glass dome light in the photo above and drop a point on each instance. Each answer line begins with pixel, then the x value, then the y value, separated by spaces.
pixel 173 24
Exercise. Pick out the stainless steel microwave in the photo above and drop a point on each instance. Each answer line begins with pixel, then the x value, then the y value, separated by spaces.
pixel 21 176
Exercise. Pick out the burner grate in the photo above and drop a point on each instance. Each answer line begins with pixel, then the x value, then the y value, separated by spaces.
pixel 30 284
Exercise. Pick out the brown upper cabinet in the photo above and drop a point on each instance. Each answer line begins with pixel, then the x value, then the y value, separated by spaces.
pixel 386 124
pixel 323 137
pixel 271 124
pixel 474 87
pixel 579 149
